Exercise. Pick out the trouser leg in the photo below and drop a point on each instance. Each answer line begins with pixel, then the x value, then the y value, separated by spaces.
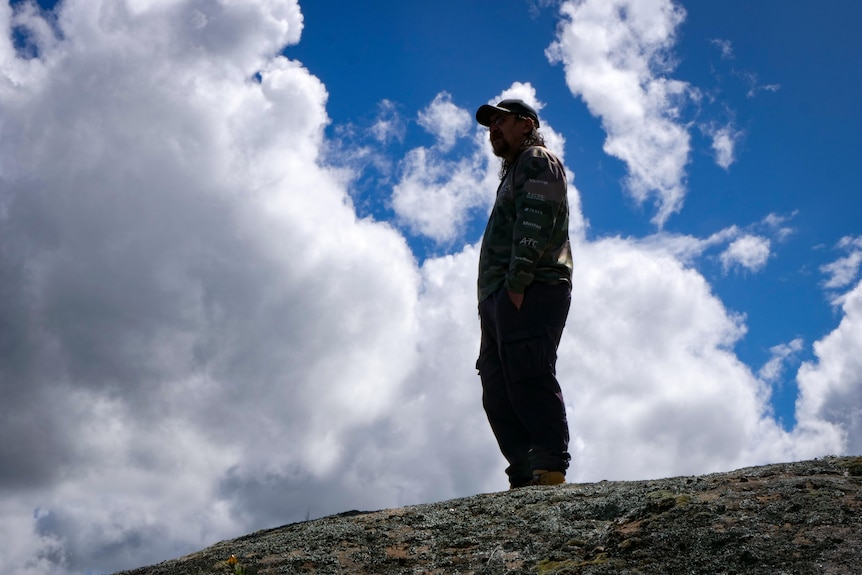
pixel 540 404
pixel 512 437
pixel 517 363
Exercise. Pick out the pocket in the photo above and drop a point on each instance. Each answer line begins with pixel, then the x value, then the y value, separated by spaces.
pixel 529 354
pixel 503 305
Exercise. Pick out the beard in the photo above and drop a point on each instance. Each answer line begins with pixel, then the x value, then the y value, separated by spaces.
pixel 501 147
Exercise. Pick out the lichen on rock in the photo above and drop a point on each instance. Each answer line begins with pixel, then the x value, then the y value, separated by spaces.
pixel 795 518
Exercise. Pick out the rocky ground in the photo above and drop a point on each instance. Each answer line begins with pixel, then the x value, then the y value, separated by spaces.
pixel 794 518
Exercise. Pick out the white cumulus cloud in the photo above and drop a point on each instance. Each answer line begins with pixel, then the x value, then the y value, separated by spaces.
pixel 190 304
pixel 830 388
pixel 749 252
pixel 724 141
pixel 843 271
pixel 445 120
pixel 772 369
pixel 389 125
pixel 434 197
pixel 616 57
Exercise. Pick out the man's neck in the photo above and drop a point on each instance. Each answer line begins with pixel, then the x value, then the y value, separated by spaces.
pixel 516 151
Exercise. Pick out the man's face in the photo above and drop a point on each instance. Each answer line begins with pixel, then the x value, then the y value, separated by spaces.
pixel 506 132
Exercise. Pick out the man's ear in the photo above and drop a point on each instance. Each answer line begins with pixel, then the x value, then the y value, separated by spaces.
pixel 530 125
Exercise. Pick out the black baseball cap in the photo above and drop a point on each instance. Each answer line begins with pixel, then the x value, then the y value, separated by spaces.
pixel 484 113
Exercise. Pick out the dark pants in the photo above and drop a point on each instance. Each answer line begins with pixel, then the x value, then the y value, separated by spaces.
pixel 520 392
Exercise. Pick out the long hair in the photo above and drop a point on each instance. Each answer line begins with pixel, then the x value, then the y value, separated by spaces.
pixel 532 138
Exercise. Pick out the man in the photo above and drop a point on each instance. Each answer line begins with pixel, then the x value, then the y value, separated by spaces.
pixel 525 275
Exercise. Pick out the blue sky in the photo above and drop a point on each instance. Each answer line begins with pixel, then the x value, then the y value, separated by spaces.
pixel 238 246
pixel 780 74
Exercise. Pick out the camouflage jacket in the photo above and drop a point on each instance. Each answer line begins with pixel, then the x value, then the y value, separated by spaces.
pixel 527 236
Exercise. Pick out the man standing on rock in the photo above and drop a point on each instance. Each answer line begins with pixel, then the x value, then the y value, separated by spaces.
pixel 525 278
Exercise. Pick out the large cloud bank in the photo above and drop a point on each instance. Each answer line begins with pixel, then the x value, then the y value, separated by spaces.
pixel 199 337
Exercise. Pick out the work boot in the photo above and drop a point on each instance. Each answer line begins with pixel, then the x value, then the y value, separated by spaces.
pixel 544 477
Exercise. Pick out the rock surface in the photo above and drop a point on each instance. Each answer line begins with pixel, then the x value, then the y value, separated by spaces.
pixel 794 518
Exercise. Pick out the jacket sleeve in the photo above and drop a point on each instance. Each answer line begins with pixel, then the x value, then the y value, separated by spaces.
pixel 539 194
